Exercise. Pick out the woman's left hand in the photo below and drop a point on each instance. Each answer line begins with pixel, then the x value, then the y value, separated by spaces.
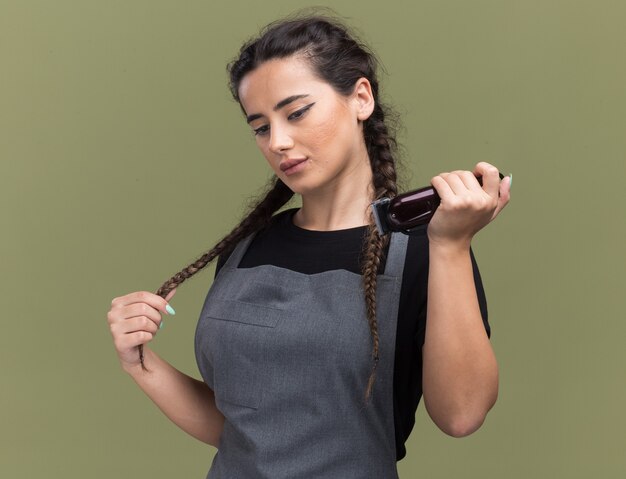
pixel 466 207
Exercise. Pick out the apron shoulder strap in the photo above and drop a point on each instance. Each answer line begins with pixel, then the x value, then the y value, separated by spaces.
pixel 235 257
pixel 394 266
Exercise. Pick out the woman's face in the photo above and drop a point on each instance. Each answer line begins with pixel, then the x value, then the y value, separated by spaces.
pixel 296 116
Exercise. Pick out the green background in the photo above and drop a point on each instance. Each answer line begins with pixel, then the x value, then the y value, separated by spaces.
pixel 124 158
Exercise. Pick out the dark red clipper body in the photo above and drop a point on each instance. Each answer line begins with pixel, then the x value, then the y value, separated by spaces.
pixel 408 210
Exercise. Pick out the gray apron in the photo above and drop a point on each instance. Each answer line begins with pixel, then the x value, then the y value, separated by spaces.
pixel 288 356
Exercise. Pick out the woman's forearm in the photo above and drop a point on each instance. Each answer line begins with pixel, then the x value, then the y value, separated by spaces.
pixel 188 402
pixel 460 373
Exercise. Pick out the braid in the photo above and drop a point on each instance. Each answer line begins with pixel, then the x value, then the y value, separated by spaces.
pixel 258 217
pixel 380 144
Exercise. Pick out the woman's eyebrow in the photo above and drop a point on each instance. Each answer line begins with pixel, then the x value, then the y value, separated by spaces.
pixel 278 106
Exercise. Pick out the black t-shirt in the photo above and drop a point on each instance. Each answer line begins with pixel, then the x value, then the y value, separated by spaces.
pixel 288 246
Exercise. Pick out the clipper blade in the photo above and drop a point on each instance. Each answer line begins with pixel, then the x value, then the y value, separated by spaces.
pixel 379 210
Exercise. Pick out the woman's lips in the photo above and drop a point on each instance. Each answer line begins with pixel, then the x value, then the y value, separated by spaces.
pixel 290 167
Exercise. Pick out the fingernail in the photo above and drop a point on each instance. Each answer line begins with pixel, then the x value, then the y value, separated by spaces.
pixel 169 309
pixel 162 324
pixel 511 181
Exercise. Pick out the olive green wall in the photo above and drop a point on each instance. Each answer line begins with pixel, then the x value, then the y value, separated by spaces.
pixel 124 158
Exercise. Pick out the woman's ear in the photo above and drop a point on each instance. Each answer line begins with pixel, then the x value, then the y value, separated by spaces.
pixel 364 99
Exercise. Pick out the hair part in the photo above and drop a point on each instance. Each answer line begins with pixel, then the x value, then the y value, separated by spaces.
pixel 340 59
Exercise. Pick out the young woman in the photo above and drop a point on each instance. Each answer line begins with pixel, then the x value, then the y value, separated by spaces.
pixel 318 335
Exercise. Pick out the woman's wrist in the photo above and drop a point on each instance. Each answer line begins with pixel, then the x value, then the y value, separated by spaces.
pixel 449 248
pixel 135 369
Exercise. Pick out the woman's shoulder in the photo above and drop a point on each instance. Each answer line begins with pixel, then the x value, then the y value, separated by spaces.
pixel 418 241
pixel 417 251
pixel 418 231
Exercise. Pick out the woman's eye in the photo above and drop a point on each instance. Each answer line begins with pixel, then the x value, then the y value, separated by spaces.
pixel 261 131
pixel 297 114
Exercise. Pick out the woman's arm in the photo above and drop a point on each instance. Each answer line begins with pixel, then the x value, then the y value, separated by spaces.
pixel 460 373
pixel 188 402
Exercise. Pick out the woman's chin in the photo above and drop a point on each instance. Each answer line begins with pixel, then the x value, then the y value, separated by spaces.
pixel 300 185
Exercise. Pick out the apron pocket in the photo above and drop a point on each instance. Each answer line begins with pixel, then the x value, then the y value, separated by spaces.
pixel 241 312
pixel 240 339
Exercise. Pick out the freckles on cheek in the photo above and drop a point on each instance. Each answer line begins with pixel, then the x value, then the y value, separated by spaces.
pixel 323 140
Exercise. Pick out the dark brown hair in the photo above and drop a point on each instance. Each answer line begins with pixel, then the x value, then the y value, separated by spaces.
pixel 338 58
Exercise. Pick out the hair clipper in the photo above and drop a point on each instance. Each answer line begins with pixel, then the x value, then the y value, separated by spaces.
pixel 408 210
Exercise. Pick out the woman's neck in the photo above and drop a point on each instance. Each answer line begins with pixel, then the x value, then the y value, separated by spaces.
pixel 342 204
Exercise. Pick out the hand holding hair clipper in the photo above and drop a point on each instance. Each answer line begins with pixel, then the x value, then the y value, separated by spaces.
pixel 415 208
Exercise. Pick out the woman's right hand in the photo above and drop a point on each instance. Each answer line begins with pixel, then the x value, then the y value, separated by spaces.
pixel 134 319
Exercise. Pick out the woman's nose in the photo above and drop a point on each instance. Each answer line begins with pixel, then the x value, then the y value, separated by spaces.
pixel 280 139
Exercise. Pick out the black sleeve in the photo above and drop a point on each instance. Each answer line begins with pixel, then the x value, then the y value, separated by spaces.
pixel 480 293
